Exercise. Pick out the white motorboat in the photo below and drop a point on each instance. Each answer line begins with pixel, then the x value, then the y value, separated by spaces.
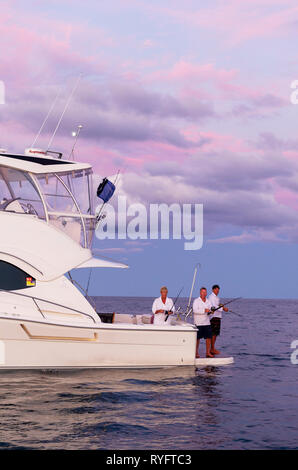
pixel 47 224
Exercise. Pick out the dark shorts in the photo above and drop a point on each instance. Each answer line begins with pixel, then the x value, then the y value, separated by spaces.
pixel 215 326
pixel 204 331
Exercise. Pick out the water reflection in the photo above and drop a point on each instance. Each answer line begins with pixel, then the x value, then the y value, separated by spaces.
pixel 251 404
pixel 102 408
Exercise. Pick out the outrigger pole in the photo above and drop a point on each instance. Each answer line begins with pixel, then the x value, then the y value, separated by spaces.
pixel 192 286
pixel 64 110
pixel 46 118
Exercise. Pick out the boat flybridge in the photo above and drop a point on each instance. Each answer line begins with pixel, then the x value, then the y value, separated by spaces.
pixel 47 225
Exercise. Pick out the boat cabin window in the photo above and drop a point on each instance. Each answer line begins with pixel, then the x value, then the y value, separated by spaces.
pixel 19 194
pixel 14 278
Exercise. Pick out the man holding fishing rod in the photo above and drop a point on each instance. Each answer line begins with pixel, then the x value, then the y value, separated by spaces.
pixel 162 307
pixel 201 313
pixel 215 318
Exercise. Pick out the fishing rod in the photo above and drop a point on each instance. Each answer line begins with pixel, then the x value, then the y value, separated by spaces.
pixel 166 312
pixel 222 305
pixel 236 313
pixel 100 188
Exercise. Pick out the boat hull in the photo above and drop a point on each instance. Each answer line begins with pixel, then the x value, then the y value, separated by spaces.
pixel 30 344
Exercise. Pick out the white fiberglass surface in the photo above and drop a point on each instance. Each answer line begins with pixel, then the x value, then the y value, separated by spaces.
pixel 38 248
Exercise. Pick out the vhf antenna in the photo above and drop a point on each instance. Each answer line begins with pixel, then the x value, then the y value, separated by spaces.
pixel 76 135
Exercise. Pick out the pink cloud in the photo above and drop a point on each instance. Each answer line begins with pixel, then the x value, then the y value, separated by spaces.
pixel 36 50
pixel 291 154
pixel 187 71
pixel 287 198
pixel 137 154
pixel 207 83
pixel 238 21
pixel 215 142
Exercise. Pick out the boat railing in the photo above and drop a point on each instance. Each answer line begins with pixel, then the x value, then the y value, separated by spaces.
pixel 37 299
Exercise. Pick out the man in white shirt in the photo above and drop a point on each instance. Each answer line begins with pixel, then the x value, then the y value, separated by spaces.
pixel 215 318
pixel 162 307
pixel 201 308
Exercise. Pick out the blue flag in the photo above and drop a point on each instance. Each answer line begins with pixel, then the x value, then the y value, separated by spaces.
pixel 105 190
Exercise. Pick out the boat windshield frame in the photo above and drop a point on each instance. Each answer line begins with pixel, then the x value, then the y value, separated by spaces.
pixel 69 190
pixel 65 192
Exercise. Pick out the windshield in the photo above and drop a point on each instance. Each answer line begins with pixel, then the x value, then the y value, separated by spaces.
pixel 62 199
pixel 69 202
pixel 18 193
pixel 70 192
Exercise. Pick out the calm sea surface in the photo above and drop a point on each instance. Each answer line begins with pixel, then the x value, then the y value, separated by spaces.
pixel 252 404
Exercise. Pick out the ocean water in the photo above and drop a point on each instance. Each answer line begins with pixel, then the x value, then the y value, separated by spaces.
pixel 252 404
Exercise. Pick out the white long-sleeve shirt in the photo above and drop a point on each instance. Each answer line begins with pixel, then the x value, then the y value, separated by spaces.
pixel 159 318
pixel 200 316
pixel 215 301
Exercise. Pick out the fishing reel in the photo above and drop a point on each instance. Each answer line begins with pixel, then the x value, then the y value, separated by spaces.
pixel 188 312
pixel 100 217
pixel 212 310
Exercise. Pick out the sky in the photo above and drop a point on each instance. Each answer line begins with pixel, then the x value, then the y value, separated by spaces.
pixel 191 102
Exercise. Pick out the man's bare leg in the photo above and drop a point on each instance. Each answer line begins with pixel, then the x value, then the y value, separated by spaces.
pixel 213 350
pixel 208 346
